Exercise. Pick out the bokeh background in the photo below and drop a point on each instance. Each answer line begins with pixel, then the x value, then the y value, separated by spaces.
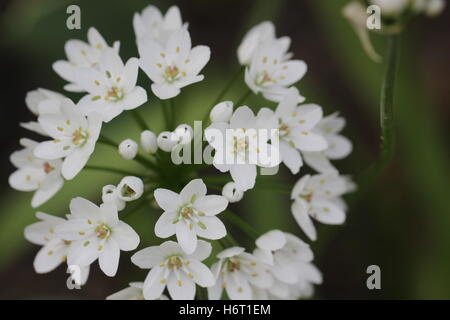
pixel 402 223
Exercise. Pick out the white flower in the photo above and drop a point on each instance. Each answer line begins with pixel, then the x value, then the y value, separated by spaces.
pixel 110 193
pixel 74 137
pixel 256 37
pixel 133 292
pixel 221 112
pixel 174 65
pixel 151 24
pixel 391 8
pixel 42 101
pixel 184 133
pixel 54 249
pixel 97 233
pixel 34 174
pixel 271 74
pixel 236 272
pixel 431 8
pixel 232 193
pixel 128 149
pixel 111 86
pixel 296 130
pixel 318 196
pixel 339 146
pixel 130 188
pixel 172 267
pixel 189 214
pixel 81 55
pixel 240 146
pixel 148 141
pixel 167 141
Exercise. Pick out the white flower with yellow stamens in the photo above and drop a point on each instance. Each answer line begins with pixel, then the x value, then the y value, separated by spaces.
pixel 189 214
pixel 74 137
pixel 35 174
pixel 97 233
pixel 173 65
pixel 319 196
pixel 81 55
pixel 133 292
pixel 111 86
pixel 54 249
pixel 236 272
pixel 172 267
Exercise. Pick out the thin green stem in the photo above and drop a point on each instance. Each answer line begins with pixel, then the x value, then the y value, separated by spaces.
pixel 243 98
pixel 136 208
pixel 223 92
pixel 241 224
pixel 113 170
pixel 172 114
pixel 166 115
pixel 139 120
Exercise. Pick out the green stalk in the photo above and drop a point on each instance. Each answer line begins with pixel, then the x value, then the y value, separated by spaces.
pixel 243 98
pixel 139 120
pixel 112 170
pixel 172 114
pixel 241 224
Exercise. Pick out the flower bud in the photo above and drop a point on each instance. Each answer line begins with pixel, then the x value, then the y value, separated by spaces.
pixel 184 133
pixel 221 112
pixel 148 141
pixel 167 140
pixel 232 193
pixel 128 149
pixel 109 194
pixel 130 188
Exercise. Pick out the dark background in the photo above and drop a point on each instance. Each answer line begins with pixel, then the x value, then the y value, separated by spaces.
pixel 401 224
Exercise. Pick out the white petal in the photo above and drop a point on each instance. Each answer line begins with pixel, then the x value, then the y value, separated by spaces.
pixel 50 256
pixel 272 240
pixel 201 274
pixel 339 147
pixel 43 194
pixel 195 187
pixel 186 237
pixel 148 258
pixel 135 98
pixel 291 157
pixel 165 227
pixel 74 163
pixel 83 208
pixel 319 162
pixel 167 200
pixel 126 237
pixel 300 213
pixel 308 141
pixel 165 91
pixel 244 175
pixel 327 212
pixel 243 117
pixel 153 287
pixel 182 289
pixel 109 258
pixel 214 228
pixel 237 286
pixel 211 205
pixel 83 252
pixel 202 252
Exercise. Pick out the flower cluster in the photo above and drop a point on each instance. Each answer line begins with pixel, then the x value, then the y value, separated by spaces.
pixel 239 139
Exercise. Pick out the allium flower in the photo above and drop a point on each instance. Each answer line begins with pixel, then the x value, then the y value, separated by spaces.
pixel 172 267
pixel 189 214
pixel 236 272
pixel 74 137
pixel 240 147
pixel 318 196
pixel 221 112
pixel 173 65
pixel 42 101
pixel 81 55
pixel 54 249
pixel 97 233
pixel 111 86
pixel 256 37
pixel 232 193
pixel 339 146
pixel 151 24
pixel 133 292
pixel 34 174
pixel 296 130
pixel 149 141
pixel 271 74
pixel 128 149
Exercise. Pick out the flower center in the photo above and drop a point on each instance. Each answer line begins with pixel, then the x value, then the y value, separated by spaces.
pixel 79 137
pixel 48 168
pixel 264 78
pixel 284 130
pixel 240 144
pixel 306 197
pixel 186 212
pixel 171 73
pixel 174 262
pixel 114 94
pixel 103 231
pixel 233 265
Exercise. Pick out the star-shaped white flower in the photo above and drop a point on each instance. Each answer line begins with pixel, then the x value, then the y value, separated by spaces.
pixel 97 233
pixel 172 267
pixel 319 196
pixel 54 249
pixel 42 101
pixel 151 24
pixel 74 137
pixel 189 214
pixel 339 146
pixel 111 86
pixel 242 145
pixel 296 126
pixel 236 272
pixel 133 292
pixel 256 37
pixel 35 174
pixel 271 74
pixel 174 65
pixel 81 55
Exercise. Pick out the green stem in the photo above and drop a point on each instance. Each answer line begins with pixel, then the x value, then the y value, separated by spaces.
pixel 224 91
pixel 241 224
pixel 172 114
pixel 136 208
pixel 112 170
pixel 139 120
pixel 243 98
pixel 165 114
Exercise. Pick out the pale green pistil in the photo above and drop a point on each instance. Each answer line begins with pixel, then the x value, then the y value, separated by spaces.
pixel 114 94
pixel 79 137
pixel 171 73
pixel 103 231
